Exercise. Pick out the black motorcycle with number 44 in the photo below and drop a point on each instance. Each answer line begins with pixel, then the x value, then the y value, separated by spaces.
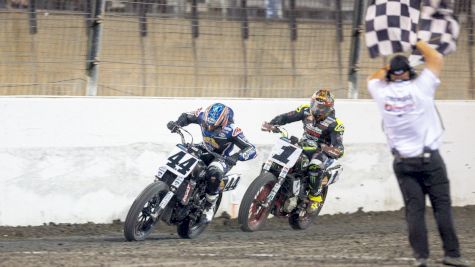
pixel 177 196
pixel 281 188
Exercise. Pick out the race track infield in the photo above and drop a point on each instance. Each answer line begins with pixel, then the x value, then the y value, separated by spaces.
pixel 357 239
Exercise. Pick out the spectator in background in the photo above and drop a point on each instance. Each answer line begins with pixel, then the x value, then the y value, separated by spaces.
pixel 414 129
pixel 17 3
pixel 115 5
pixel 273 9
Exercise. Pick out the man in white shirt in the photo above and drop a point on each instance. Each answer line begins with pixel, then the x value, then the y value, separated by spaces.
pixel 414 130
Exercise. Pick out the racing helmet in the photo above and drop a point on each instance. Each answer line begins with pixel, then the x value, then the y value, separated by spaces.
pixel 321 104
pixel 217 116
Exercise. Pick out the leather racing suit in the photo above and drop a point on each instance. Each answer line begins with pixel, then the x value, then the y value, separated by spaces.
pixel 322 141
pixel 221 141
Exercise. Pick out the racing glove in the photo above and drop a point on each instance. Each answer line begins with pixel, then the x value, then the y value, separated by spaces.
pixel 172 126
pixel 331 151
pixel 232 160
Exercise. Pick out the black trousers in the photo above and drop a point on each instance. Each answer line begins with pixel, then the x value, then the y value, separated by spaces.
pixel 418 178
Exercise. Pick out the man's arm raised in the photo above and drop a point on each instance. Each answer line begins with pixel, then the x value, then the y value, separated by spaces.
pixel 433 59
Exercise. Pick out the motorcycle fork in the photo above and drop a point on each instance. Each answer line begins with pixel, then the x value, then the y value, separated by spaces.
pixel 276 188
pixel 166 199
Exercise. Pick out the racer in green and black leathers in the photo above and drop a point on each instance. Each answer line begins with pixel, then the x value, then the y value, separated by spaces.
pixel 322 140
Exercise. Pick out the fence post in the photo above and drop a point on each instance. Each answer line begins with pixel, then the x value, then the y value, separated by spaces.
pixel 356 31
pixel 244 37
pixel 142 13
pixel 94 48
pixel 195 30
pixel 471 42
pixel 339 40
pixel 195 33
pixel 293 39
pixel 32 17
pixel 88 6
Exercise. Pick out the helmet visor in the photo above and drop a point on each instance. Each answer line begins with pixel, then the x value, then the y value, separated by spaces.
pixel 320 110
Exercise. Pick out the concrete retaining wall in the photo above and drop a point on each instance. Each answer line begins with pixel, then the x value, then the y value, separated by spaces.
pixel 85 159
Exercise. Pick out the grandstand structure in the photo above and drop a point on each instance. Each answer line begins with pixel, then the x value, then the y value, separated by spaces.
pixel 201 48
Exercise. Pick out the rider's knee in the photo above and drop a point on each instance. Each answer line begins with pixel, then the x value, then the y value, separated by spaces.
pixel 214 173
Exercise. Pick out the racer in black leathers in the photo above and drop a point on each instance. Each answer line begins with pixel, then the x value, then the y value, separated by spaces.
pixel 219 135
pixel 322 140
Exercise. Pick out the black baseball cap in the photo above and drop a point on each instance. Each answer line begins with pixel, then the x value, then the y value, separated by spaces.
pixel 399 64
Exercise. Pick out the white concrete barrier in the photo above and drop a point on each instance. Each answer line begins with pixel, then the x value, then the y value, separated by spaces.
pixel 79 159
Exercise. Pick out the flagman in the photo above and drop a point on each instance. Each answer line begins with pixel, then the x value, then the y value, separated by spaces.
pixel 414 130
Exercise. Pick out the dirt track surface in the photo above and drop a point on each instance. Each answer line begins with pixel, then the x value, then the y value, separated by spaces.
pixel 358 239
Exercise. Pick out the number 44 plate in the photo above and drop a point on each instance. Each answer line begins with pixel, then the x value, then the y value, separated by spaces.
pixel 180 162
pixel 285 154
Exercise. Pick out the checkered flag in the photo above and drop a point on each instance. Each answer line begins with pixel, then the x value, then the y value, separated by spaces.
pixel 438 27
pixel 391 26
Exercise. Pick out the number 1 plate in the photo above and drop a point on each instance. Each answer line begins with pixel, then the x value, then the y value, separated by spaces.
pixel 285 154
pixel 180 162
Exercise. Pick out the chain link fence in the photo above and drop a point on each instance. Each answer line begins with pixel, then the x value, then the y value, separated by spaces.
pixel 213 48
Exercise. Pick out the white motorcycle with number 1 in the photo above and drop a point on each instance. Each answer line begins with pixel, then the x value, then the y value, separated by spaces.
pixel 281 188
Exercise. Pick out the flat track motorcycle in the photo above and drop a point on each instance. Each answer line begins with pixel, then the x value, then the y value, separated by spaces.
pixel 281 188
pixel 177 195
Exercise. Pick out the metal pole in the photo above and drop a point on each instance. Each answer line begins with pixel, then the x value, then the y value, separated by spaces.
pixel 293 39
pixel 94 49
pixel 339 40
pixel 195 30
pixel 470 47
pixel 244 20
pixel 357 29
pixel 32 17
pixel 88 5
pixel 143 8
pixel 244 37
pixel 33 30
pixel 194 35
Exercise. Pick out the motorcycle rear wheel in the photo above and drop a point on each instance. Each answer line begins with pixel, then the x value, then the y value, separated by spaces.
pixel 139 222
pixel 302 223
pixel 252 215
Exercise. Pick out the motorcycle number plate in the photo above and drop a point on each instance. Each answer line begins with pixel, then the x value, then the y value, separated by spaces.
pixel 230 182
pixel 165 200
pixel 180 162
pixel 285 154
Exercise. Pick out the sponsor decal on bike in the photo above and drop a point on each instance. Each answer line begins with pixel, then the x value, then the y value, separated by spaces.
pixel 166 199
pixel 161 171
pixel 185 198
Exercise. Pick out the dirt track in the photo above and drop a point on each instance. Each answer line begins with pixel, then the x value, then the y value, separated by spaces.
pixel 358 239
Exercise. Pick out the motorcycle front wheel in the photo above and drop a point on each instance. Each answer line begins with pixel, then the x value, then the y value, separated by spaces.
pixel 141 217
pixel 252 214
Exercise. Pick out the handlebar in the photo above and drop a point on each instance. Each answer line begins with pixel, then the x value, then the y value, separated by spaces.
pixel 179 130
pixel 267 127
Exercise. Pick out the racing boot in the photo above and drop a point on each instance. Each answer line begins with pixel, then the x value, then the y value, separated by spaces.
pixel 315 193
pixel 208 213
pixel 316 201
